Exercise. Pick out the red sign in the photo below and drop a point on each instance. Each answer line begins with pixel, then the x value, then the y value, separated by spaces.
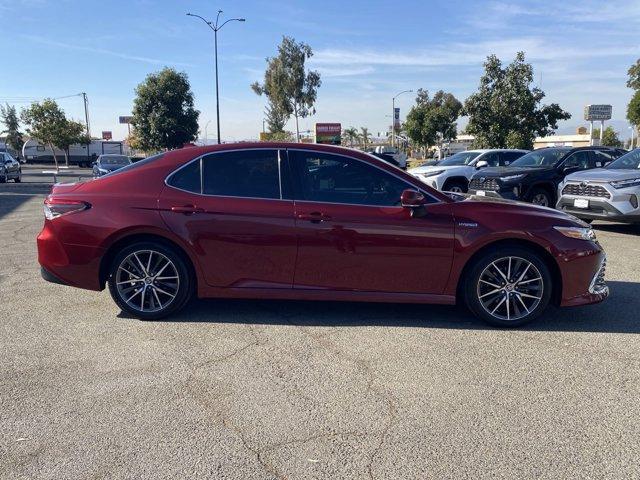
pixel 107 135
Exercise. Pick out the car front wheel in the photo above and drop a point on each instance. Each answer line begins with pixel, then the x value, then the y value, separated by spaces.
pixel 149 280
pixel 508 287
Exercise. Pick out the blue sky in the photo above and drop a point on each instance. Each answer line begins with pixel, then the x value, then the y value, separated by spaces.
pixel 366 52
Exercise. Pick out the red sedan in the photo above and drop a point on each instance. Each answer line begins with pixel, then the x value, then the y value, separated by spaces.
pixel 310 222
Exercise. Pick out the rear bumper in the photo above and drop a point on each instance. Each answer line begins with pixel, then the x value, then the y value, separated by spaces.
pixel 68 264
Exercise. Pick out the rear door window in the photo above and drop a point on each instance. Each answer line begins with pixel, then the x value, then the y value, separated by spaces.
pixel 242 173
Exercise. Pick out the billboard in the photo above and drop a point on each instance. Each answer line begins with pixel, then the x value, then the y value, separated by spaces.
pixel 107 135
pixel 597 112
pixel 329 133
pixel 125 119
pixel 396 118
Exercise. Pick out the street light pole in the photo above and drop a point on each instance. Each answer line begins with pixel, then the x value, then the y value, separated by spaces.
pixel 215 27
pixel 393 117
pixel 206 133
pixel 631 143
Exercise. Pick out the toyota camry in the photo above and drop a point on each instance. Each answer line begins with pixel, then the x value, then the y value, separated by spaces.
pixel 309 222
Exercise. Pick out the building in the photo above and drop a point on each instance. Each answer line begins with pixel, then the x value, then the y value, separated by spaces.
pixel 580 139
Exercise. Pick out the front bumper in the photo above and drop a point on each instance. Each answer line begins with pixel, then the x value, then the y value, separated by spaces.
pixel 583 278
pixel 617 208
pixel 507 194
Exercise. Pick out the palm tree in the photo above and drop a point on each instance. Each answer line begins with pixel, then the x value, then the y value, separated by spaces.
pixel 365 136
pixel 351 135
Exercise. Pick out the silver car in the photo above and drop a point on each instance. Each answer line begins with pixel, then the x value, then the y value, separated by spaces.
pixel 610 193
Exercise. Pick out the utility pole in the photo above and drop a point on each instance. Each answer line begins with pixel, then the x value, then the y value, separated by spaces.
pixel 215 27
pixel 86 113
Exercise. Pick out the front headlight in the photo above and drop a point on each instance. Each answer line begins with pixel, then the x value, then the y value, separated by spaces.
pixel 577 232
pixel 632 182
pixel 513 178
pixel 432 174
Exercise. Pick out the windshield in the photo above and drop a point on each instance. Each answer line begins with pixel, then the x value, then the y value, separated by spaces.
pixel 115 160
pixel 461 158
pixel 629 161
pixel 546 157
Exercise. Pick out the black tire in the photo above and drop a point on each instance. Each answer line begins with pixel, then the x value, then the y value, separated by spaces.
pixel 18 179
pixel 473 287
pixel 540 196
pixel 183 289
pixel 3 178
pixel 456 186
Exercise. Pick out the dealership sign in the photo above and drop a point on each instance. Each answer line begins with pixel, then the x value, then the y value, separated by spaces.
pixel 107 135
pixel 329 133
pixel 396 118
pixel 597 112
pixel 125 119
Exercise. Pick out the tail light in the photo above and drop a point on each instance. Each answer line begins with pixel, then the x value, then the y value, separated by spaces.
pixel 56 207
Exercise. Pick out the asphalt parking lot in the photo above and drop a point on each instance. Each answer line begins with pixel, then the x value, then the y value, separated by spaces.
pixel 265 389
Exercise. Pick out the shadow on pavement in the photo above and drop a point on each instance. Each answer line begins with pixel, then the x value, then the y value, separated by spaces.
pixel 624 228
pixel 618 314
pixel 12 196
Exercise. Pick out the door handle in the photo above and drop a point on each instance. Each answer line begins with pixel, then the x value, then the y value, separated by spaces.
pixel 186 209
pixel 314 217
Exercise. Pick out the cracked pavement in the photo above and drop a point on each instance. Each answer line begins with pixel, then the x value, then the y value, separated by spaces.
pixel 233 389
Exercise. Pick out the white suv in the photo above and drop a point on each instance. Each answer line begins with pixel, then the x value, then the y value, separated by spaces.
pixel 453 173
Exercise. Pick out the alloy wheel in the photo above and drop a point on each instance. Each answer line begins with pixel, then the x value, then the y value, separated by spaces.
pixel 456 189
pixel 147 281
pixel 510 288
pixel 540 199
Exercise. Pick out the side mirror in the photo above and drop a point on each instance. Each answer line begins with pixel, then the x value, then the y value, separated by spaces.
pixel 412 199
pixel 482 164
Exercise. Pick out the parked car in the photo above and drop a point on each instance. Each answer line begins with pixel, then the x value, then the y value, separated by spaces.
pixel 609 193
pixel 535 177
pixel 10 168
pixel 309 222
pixel 453 173
pixel 108 163
pixel 387 157
pixel 398 155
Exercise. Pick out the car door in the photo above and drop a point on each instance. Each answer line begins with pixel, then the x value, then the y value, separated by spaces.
pixel 353 234
pixel 232 209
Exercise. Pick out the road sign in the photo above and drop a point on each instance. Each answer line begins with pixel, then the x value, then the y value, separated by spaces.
pixel 125 119
pixel 107 135
pixel 329 133
pixel 597 112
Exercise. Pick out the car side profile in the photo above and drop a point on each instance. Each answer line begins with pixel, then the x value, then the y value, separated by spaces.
pixel 10 168
pixel 108 163
pixel 309 222
pixel 610 193
pixel 535 177
pixel 453 173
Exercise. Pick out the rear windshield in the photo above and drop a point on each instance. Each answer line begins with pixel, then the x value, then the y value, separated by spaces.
pixel 546 157
pixel 628 161
pixel 115 160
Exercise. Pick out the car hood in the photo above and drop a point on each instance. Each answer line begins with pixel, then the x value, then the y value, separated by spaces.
pixel 472 205
pixel 110 168
pixel 497 172
pixel 604 175
pixel 437 168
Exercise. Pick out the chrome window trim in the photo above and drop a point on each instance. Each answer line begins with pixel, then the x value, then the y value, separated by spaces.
pixel 436 200
pixel 201 158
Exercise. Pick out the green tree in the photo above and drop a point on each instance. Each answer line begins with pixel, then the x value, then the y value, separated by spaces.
pixel 506 110
pixel 276 118
pixel 350 135
pixel 609 137
pixel 634 76
pixel 9 118
pixel 365 136
pixel 70 133
pixel 163 113
pixel 287 84
pixel 432 120
pixel 633 109
pixel 46 123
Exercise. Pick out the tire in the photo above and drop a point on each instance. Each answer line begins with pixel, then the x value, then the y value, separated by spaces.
pixel 456 186
pixel 539 196
pixel 130 282
pixel 3 178
pixel 18 179
pixel 503 308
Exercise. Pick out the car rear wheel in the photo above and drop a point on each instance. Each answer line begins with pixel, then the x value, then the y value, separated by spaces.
pixel 456 186
pixel 508 287
pixel 18 179
pixel 150 280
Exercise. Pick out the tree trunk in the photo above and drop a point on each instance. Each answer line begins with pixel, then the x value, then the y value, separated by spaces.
pixel 295 112
pixel 66 157
pixel 55 159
